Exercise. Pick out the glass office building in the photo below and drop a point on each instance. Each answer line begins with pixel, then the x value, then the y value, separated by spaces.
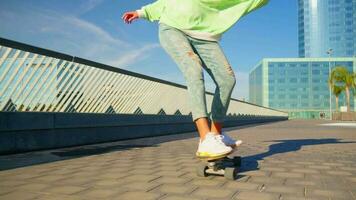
pixel 325 24
pixel 297 85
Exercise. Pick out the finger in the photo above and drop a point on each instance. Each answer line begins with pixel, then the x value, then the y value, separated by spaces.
pixel 133 18
pixel 126 18
pixel 124 15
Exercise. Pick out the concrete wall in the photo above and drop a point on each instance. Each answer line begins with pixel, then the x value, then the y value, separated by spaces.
pixel 28 131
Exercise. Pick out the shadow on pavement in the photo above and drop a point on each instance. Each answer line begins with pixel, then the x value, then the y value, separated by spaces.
pixel 250 163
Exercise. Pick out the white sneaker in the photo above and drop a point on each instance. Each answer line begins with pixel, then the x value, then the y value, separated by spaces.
pixel 212 146
pixel 229 141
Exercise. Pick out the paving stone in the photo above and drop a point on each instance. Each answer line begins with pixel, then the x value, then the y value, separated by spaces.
pixel 339 194
pixel 65 189
pixel 58 197
pixel 141 186
pixel 241 185
pixel 32 187
pixel 249 195
pixel 287 197
pixel 74 181
pixel 333 164
pixel 206 182
pixel 171 180
pixel 107 182
pixel 304 163
pixel 306 171
pixel 353 169
pixel 23 195
pixel 273 169
pixel 287 175
pixel 174 189
pixel 11 183
pixel 48 178
pixel 255 173
pixel 302 182
pixel 280 189
pixel 131 195
pixel 4 190
pixel 180 197
pixel 242 178
pixel 94 193
pixel 113 175
pixel 212 192
pixel 339 173
pixel 319 167
pixel 270 160
pixel 24 176
pixel 353 179
pixel 141 178
pixel 169 173
pixel 266 180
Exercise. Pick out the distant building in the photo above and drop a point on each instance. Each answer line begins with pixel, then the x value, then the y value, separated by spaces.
pixel 324 24
pixel 296 85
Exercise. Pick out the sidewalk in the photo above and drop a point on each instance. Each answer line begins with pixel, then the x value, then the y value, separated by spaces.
pixel 289 160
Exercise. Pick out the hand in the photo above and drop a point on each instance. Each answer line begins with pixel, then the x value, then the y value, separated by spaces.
pixel 128 17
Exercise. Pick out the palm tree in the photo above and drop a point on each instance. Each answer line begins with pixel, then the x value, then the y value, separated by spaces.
pixel 354 82
pixel 341 77
pixel 337 90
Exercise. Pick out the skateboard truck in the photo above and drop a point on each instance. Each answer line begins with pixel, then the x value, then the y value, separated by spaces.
pixel 227 167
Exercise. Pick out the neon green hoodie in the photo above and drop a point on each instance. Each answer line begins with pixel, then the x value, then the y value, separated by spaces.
pixel 203 18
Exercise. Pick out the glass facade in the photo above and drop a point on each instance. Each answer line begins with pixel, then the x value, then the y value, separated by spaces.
pixel 324 24
pixel 255 85
pixel 297 85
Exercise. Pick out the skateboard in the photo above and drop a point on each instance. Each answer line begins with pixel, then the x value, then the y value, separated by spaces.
pixel 225 166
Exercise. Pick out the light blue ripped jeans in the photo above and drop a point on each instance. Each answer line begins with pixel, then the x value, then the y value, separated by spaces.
pixel 192 55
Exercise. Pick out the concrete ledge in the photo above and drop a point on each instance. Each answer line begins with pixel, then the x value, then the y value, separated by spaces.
pixel 29 131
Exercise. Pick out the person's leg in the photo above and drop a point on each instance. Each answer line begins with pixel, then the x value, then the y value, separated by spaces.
pixel 222 74
pixel 179 48
pixel 216 127
pixel 202 125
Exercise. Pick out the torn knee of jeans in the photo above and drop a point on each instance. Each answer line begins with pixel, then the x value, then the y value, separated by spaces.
pixel 194 57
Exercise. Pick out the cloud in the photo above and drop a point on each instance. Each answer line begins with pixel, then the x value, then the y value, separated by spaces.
pixel 89 5
pixel 86 26
pixel 73 35
pixel 133 55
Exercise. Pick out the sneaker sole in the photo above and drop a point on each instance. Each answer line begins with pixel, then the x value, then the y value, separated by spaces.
pixel 209 156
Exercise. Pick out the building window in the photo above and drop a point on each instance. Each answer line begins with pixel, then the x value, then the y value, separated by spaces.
pixel 304 80
pixel 293 80
pixel 316 72
pixel 281 80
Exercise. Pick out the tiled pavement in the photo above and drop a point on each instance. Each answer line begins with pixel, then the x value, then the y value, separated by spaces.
pixel 290 160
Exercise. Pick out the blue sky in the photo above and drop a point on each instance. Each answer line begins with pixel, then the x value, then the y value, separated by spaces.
pixel 93 29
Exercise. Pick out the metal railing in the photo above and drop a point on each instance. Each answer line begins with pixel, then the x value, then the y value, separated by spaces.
pixel 33 79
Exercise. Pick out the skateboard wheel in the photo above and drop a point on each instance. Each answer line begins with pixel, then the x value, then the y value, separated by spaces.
pixel 231 173
pixel 237 161
pixel 201 170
